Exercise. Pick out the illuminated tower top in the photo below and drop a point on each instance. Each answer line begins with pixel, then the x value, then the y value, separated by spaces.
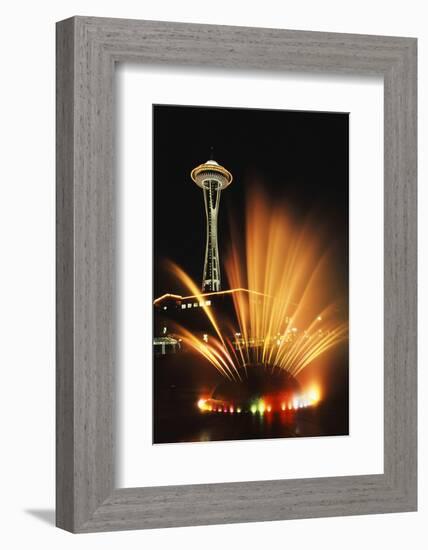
pixel 212 179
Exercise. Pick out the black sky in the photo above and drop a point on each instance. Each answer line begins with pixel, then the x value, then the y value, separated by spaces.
pixel 301 157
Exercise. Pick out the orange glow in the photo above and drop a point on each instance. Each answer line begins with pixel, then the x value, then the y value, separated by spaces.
pixel 203 405
pixel 314 394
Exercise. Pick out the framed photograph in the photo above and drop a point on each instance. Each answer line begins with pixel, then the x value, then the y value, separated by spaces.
pixel 236 274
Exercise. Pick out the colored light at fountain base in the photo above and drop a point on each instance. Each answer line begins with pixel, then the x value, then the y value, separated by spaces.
pixel 202 404
pixel 314 394
pixel 261 406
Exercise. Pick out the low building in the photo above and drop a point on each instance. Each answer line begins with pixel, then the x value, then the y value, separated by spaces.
pixel 190 312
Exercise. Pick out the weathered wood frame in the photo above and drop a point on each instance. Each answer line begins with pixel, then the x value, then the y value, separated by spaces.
pixel 87 50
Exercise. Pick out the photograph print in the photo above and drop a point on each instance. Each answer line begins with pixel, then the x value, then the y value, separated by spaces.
pixel 250 274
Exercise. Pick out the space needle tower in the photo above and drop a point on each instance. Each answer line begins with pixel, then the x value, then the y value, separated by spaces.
pixel 212 179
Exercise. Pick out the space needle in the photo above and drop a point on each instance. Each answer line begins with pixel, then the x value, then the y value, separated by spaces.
pixel 212 179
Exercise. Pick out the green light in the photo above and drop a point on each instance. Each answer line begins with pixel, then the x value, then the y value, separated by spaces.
pixel 262 406
pixel 253 409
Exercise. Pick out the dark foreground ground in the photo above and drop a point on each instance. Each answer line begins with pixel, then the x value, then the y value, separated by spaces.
pixel 179 381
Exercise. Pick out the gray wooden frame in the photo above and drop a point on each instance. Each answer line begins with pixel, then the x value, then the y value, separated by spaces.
pixel 87 50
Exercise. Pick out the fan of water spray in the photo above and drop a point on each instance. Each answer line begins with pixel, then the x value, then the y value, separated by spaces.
pixel 287 312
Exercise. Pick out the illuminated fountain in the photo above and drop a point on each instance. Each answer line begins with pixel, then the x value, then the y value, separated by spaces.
pixel 286 314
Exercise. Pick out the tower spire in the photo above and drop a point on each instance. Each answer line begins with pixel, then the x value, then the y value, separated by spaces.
pixel 212 178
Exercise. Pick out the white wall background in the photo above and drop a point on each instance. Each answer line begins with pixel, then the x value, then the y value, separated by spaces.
pixel 27 272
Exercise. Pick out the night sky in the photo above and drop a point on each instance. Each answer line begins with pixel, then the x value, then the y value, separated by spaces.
pixel 301 157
